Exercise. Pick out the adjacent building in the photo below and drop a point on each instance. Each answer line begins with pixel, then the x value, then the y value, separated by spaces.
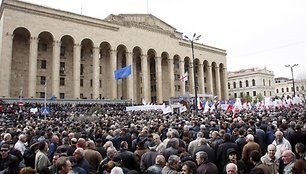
pixel 251 82
pixel 284 87
pixel 45 51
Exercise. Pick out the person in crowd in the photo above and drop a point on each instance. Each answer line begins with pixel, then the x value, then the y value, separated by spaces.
pixel 157 168
pixel 300 150
pixel 27 170
pixel 63 165
pixel 8 162
pixel 270 160
pixel 299 167
pixel 193 144
pixel 21 143
pixel 289 160
pixel 148 158
pixel 232 158
pixel 281 143
pixel 189 167
pixel 172 149
pixel 128 158
pixel 53 146
pixel 92 156
pixel 160 147
pixel 42 161
pixel 247 149
pixel 75 168
pixel 204 165
pixel 71 148
pixel 116 170
pixel 203 146
pixel 255 159
pixel 231 168
pixel 172 166
pixel 221 155
pixel 79 154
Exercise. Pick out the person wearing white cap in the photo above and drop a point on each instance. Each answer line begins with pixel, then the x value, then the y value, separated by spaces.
pixel 281 143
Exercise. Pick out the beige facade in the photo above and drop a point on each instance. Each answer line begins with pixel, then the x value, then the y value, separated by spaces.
pixel 75 56
pixel 252 82
pixel 284 87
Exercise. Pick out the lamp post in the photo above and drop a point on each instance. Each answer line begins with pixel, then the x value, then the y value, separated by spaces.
pixel 194 38
pixel 291 67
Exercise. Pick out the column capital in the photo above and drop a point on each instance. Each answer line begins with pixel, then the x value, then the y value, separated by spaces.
pixel 127 52
pixel 10 34
pixel 57 42
pixel 77 45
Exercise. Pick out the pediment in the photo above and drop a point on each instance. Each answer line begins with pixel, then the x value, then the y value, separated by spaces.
pixel 147 20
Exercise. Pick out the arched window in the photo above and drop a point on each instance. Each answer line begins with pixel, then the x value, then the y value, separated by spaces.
pixel 246 83
pixel 302 88
pixel 282 89
pixel 253 82
pixel 240 84
pixel 287 89
pixel 297 88
pixel 277 91
pixel 234 84
pixel 229 86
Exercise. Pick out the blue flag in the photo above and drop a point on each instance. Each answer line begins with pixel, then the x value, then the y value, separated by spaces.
pixel 123 72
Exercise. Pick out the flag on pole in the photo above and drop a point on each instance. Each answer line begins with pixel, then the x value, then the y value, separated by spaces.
pixel 123 72
pixel 184 77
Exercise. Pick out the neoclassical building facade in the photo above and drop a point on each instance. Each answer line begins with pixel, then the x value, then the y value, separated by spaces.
pixel 251 82
pixel 71 56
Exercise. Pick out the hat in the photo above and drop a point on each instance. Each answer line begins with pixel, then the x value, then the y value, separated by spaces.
pixel 231 151
pixel 74 140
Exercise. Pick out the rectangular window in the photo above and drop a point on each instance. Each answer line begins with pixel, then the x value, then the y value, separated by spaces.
pixel 42 95
pixel 241 94
pixel 90 82
pixel 100 83
pixel 62 81
pixel 82 69
pixel 254 93
pixel 100 69
pixel 81 82
pixel 62 67
pixel 62 95
pixel 235 95
pixel 81 96
pixel 43 64
pixel 62 51
pixel 42 80
pixel 247 93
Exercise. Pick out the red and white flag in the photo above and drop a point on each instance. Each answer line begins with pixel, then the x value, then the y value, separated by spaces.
pixel 184 77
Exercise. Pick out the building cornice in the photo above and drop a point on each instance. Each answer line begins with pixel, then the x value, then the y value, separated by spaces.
pixel 203 47
pixel 56 14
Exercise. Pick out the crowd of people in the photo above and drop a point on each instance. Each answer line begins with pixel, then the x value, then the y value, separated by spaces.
pixel 98 139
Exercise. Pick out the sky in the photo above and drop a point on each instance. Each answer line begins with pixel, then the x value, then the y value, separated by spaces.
pixel 255 33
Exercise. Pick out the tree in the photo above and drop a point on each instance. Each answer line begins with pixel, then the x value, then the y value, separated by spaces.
pixel 259 98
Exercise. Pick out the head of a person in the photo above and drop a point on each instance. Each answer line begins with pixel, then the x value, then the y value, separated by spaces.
pixel 55 139
pixel 5 150
pixel 124 145
pixel 81 143
pixel 63 164
pixel 78 153
pixel 43 146
pixel 255 156
pixel 271 151
pixel 189 167
pixel 160 160
pixel 156 138
pixel 90 145
pixel 116 170
pixel 174 161
pixel 279 135
pixel 288 156
pixel 249 137
pixel 300 148
pixel 111 152
pixel 22 138
pixel 232 155
pixel 299 167
pixel 231 168
pixel 201 157
pixel 27 170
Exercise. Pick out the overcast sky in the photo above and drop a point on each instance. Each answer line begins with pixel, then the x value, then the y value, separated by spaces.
pixel 255 33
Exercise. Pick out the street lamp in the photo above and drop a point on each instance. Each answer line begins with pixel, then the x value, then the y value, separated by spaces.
pixel 194 38
pixel 291 67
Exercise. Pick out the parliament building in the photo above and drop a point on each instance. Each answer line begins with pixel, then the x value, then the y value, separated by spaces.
pixel 46 51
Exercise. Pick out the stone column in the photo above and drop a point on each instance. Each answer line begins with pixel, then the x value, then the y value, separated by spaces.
pixel 225 81
pixel 191 78
pixel 201 86
pixel 95 72
pixel 113 67
pixel 145 78
pixel 159 80
pixel 218 83
pixel 182 72
pixel 171 72
pixel 6 64
pixel 76 70
pixel 209 81
pixel 55 68
pixel 130 78
pixel 32 67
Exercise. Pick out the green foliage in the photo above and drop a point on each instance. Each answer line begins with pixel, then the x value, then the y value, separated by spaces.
pixel 96 110
pixel 247 98
pixel 259 97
